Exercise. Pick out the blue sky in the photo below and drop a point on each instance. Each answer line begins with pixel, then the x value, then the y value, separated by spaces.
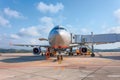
pixel 24 21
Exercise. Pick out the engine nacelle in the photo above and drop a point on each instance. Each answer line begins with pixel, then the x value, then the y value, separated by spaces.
pixel 36 51
pixel 84 50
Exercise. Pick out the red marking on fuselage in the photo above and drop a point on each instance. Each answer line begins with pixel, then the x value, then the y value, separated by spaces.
pixel 60 47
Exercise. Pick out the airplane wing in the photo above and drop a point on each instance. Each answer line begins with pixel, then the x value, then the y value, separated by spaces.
pixel 97 39
pixel 30 45
pixel 33 45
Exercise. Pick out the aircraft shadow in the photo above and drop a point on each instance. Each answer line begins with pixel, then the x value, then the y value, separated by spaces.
pixel 111 57
pixel 23 59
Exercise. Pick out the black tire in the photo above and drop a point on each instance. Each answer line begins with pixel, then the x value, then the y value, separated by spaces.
pixel 70 54
pixel 92 55
pixel 77 54
pixel 61 57
pixel 42 54
pixel 58 57
pixel 84 50
pixel 51 54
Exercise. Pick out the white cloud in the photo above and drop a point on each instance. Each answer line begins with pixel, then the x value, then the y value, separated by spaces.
pixel 12 13
pixel 60 19
pixel 31 34
pixel 113 29
pixel 76 29
pixel 47 24
pixel 4 22
pixel 70 28
pixel 49 7
pixel 30 31
pixel 14 36
pixel 84 30
pixel 34 41
pixel 47 20
pixel 117 15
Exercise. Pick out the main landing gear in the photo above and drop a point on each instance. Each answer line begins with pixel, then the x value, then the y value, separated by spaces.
pixel 47 54
pixel 92 55
pixel 71 53
pixel 59 57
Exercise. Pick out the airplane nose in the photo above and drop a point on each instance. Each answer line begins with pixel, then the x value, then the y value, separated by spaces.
pixel 58 35
pixel 59 38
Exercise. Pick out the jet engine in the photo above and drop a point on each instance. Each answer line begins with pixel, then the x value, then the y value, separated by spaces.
pixel 36 51
pixel 84 50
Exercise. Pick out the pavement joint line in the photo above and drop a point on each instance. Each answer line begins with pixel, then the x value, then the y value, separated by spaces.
pixel 94 71
pixel 91 73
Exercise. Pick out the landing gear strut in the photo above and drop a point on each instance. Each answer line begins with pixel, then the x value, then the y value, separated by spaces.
pixel 47 54
pixel 92 55
pixel 59 57
pixel 70 53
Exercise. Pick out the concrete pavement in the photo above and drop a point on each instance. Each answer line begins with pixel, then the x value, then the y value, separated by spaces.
pixel 25 66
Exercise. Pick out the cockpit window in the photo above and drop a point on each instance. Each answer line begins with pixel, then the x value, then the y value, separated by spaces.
pixel 61 28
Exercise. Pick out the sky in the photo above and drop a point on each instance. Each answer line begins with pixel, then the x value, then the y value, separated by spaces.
pixel 24 21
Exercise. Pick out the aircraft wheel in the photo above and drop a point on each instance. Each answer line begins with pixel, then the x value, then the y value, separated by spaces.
pixel 70 54
pixel 61 57
pixel 42 54
pixel 51 54
pixel 81 53
pixel 58 58
pixel 92 55
pixel 77 54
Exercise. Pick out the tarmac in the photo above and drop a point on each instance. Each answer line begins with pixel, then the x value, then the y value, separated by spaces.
pixel 26 66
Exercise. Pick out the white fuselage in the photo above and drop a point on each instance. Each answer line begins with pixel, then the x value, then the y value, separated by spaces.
pixel 59 38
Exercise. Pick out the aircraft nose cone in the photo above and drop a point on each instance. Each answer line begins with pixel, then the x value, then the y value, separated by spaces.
pixel 57 39
pixel 58 35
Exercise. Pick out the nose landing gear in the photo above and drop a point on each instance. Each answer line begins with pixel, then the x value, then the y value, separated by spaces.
pixel 59 57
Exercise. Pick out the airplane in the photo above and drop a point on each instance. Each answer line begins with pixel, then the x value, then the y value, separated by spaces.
pixel 60 40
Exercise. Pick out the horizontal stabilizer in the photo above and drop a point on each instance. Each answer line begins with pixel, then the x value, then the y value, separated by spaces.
pixel 43 39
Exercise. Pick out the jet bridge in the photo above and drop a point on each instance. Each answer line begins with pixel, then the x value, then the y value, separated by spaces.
pixel 97 39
